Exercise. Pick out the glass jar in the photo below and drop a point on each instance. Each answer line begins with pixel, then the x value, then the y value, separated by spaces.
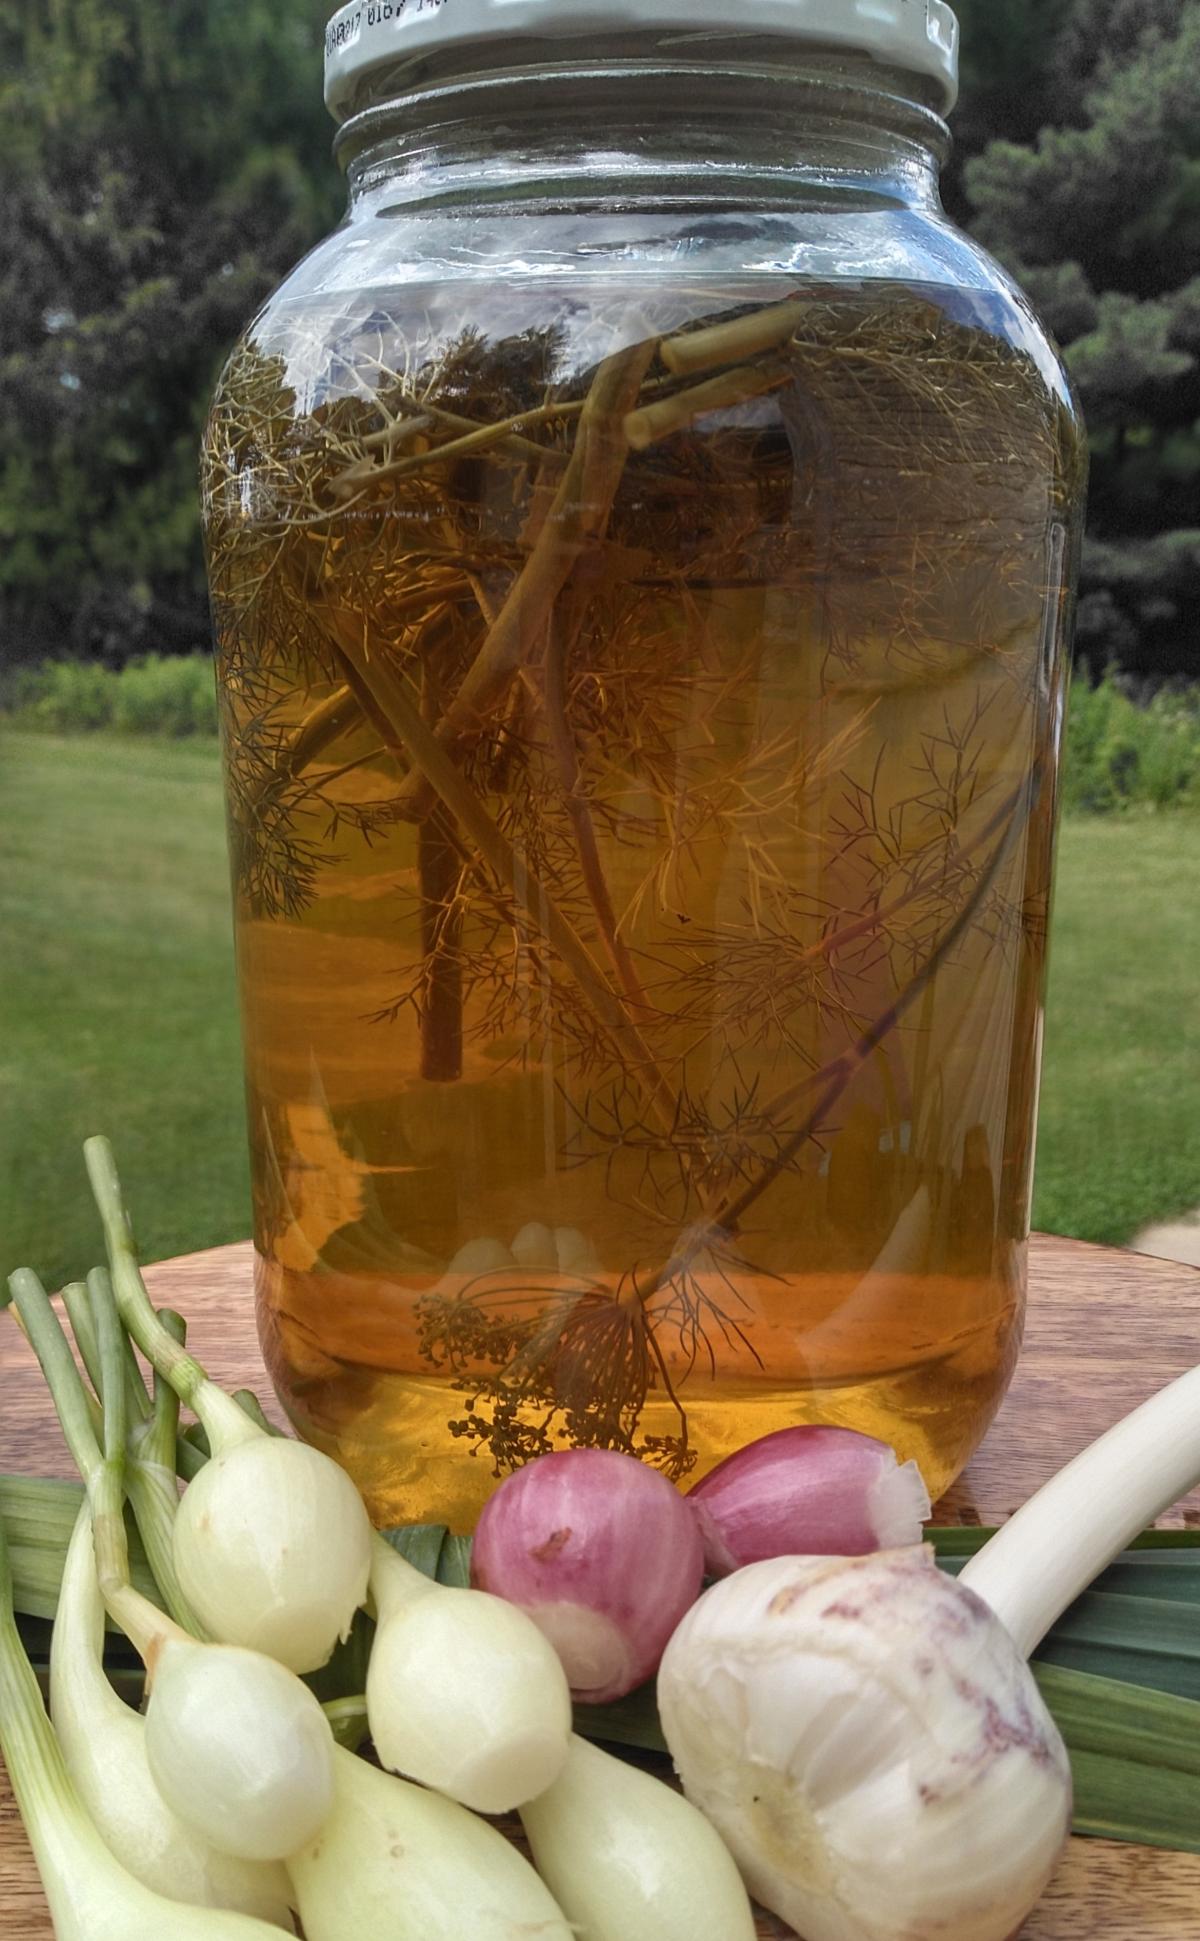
pixel 642 542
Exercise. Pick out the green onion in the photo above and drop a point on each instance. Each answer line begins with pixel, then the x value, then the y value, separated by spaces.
pixel 464 1693
pixel 626 1856
pixel 238 1747
pixel 1139 1628
pixel 394 1859
pixel 104 1745
pixel 91 1896
pixel 272 1542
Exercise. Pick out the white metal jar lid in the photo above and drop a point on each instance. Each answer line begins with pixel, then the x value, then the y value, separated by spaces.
pixel 919 36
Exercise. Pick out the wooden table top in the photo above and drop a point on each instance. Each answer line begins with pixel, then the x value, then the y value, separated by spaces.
pixel 1106 1329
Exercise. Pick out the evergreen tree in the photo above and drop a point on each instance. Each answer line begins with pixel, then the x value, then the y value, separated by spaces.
pixel 1009 86
pixel 1099 218
pixel 163 162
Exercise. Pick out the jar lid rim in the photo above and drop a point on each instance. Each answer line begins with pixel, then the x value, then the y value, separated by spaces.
pixel 919 36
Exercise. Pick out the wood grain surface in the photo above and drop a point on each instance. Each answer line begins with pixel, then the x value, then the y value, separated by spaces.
pixel 1105 1330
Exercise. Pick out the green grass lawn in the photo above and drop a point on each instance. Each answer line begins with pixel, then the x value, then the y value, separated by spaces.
pixel 1119 1144
pixel 119 1012
pixel 118 1007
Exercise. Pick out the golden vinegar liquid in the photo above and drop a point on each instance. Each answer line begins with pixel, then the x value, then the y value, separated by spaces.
pixel 642 822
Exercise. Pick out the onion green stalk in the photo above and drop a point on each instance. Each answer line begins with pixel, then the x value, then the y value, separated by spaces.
pixel 150 1473
pixel 1041 1559
pixel 272 1544
pixel 78 1299
pixel 150 1478
pixel 91 1896
pixel 1135 1758
pixel 397 1863
pixel 464 1693
pixel 41 1512
pixel 629 1859
pixel 238 1747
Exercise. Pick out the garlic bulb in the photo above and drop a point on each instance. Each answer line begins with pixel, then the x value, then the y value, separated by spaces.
pixel 870 1743
pixel 273 1550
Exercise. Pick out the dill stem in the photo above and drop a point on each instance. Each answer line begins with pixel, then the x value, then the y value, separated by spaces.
pixel 577 518
pixel 513 443
pixel 439 869
pixel 439 876
pixel 477 438
pixel 320 726
pixel 562 742
pixel 727 343
pixel 829 946
pixel 652 422
pixel 395 432
pixel 838 1074
pixel 393 696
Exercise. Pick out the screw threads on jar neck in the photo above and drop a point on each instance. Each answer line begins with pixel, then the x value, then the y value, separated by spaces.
pixel 615 123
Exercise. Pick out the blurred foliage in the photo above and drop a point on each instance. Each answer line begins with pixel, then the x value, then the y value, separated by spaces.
pixel 1122 755
pixel 157 695
pixel 166 161
pixel 163 166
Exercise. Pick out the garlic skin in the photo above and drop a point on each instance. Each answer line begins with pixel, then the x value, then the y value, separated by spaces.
pixel 484 1255
pixel 273 1550
pixel 870 1743
pixel 535 1247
